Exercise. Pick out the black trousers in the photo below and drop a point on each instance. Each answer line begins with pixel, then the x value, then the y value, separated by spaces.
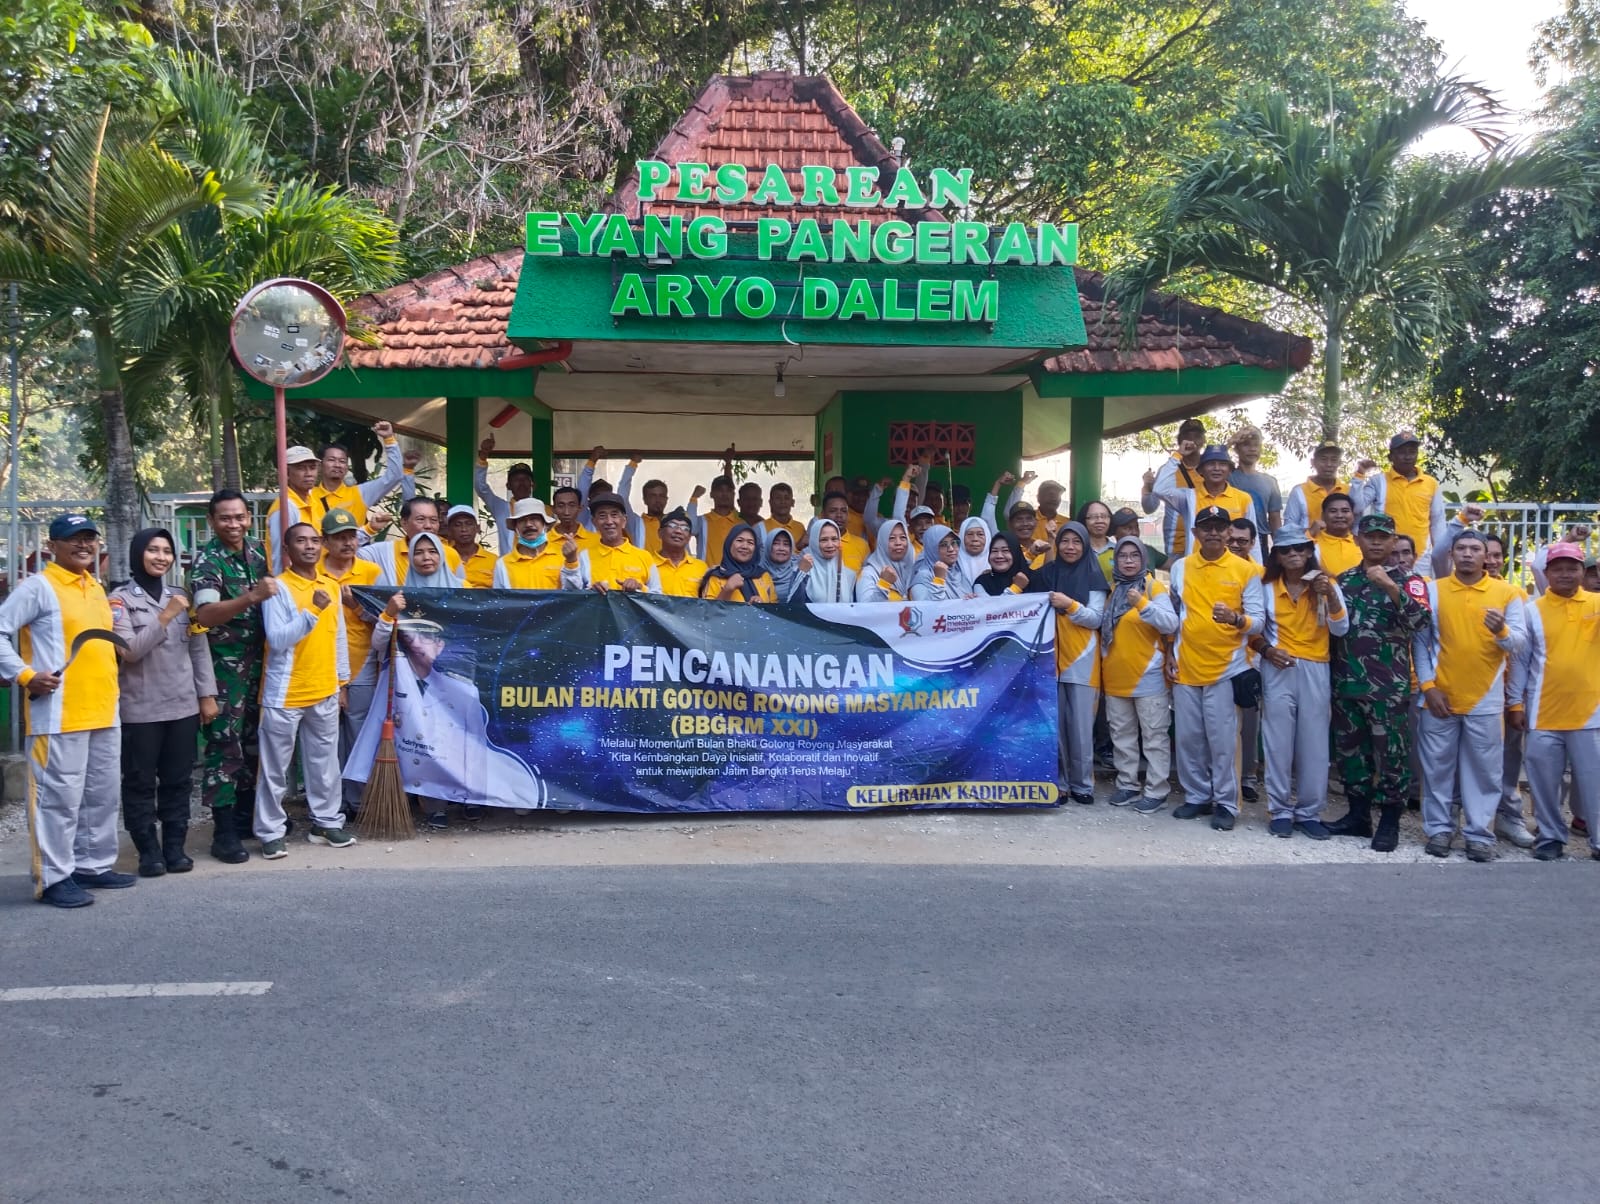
pixel 158 771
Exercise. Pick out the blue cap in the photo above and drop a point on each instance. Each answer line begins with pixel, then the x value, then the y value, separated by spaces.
pixel 1215 454
pixel 68 525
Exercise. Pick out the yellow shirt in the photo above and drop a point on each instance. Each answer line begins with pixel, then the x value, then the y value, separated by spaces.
pixel 853 551
pixel 1074 643
pixel 518 570
pixel 45 613
pixel 614 565
pixel 717 528
pixel 1295 623
pixel 1470 660
pixel 357 628
pixel 1336 554
pixel 309 669
pixel 1235 501
pixel 583 537
pixel 302 514
pixel 765 592
pixel 650 526
pixel 681 580
pixel 1410 503
pixel 1563 663
pixel 1124 664
pixel 479 568
pixel 1315 495
pixel 1208 651
pixel 794 527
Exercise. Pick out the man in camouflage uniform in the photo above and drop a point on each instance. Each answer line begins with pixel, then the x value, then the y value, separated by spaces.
pixel 1372 684
pixel 228 581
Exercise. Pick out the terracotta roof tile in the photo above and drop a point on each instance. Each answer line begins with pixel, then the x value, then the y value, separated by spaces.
pixel 457 318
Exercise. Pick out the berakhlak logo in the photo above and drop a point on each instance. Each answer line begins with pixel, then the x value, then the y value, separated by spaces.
pixel 910 621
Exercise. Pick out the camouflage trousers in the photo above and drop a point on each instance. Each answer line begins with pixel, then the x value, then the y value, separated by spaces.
pixel 231 759
pixel 1372 742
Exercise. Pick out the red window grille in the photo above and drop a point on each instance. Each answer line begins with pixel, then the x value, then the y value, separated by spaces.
pixel 909 439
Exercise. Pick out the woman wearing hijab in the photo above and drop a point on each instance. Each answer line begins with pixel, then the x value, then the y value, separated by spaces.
pixel 1007 571
pixel 1077 590
pixel 426 566
pixel 778 559
pixel 738 576
pixel 824 576
pixel 168 690
pixel 1135 634
pixel 886 574
pixel 939 577
pixel 974 536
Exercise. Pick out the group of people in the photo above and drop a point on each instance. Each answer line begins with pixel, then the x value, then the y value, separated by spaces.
pixel 1273 624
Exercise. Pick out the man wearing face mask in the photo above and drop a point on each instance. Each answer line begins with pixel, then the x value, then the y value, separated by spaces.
pixel 534 562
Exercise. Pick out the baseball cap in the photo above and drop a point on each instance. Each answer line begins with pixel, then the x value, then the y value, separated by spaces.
pixel 1215 453
pixel 68 525
pixel 676 515
pixel 1288 537
pixel 918 512
pixel 1327 447
pixel 596 500
pixel 1123 517
pixel 1375 522
pixel 1564 551
pixel 1401 438
pixel 1212 514
pixel 1590 562
pixel 455 510
pixel 528 507
pixel 337 520
pixel 299 455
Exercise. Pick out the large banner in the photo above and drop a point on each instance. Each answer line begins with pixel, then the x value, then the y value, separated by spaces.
pixel 635 703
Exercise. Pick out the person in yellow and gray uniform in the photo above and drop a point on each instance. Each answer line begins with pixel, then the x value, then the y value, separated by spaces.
pixel 1134 632
pixel 302 692
pixel 613 562
pixel 1555 698
pixel 1476 623
pixel 534 561
pixel 74 738
pixel 1220 605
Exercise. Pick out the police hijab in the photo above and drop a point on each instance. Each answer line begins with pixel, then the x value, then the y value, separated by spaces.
pixel 1077 580
pixel 136 549
pixel 994 583
pixel 440 578
pixel 727 568
pixel 786 574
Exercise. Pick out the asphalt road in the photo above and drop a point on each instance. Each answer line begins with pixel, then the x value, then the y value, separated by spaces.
pixel 812 1033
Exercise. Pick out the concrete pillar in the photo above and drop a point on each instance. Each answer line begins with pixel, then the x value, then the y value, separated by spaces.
pixel 460 448
pixel 1088 427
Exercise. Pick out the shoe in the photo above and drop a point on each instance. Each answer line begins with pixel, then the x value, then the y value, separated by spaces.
pixel 1478 850
pixel 1282 826
pixel 521 812
pixel 172 837
pixel 1438 845
pixel 1222 821
pixel 1122 798
pixel 66 893
pixel 1190 810
pixel 336 838
pixel 1356 822
pixel 271 850
pixel 1579 826
pixel 104 880
pixel 151 863
pixel 1248 793
pixel 226 843
pixel 1549 850
pixel 1149 806
pixel 471 812
pixel 1082 798
pixel 1515 830
pixel 1314 828
pixel 1387 838
pixel 437 821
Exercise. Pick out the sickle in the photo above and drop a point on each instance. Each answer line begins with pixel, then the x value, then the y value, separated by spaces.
pixel 88 636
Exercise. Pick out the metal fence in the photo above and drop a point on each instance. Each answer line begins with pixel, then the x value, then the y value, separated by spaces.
pixel 1528 526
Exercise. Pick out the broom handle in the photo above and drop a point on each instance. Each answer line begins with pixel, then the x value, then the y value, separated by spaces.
pixel 394 648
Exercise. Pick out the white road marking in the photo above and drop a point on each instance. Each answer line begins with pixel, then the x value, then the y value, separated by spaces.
pixel 131 990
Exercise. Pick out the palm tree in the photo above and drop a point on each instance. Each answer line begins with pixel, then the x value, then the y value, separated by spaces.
pixel 83 237
pixel 1342 220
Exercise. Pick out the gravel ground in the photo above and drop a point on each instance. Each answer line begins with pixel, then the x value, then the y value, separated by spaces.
pixel 1068 835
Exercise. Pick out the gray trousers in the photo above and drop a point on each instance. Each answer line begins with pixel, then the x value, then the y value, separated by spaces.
pixel 317 727
pixel 1296 716
pixel 1510 774
pixel 1548 754
pixel 1206 724
pixel 1249 737
pixel 1145 722
pixel 74 800
pixel 350 722
pixel 1462 757
pixel 1075 708
pixel 1414 711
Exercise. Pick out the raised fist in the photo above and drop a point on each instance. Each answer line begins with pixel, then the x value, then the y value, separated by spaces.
pixel 486 447
pixel 383 429
pixel 411 459
pixel 321 599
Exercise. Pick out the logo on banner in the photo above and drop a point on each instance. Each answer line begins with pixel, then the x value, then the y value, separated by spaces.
pixel 910 621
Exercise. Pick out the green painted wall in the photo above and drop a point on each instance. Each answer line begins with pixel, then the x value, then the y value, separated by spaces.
pixel 830 438
pixel 860 422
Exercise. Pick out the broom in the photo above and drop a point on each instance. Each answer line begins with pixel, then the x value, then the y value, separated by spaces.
pixel 385 811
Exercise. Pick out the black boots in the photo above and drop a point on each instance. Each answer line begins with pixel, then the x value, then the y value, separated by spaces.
pixel 151 864
pixel 230 824
pixel 173 834
pixel 1356 822
pixel 1387 838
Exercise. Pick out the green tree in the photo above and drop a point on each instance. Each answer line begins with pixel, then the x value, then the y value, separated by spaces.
pixel 1334 215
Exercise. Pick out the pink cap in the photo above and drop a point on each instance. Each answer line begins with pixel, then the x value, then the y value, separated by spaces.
pixel 1564 551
